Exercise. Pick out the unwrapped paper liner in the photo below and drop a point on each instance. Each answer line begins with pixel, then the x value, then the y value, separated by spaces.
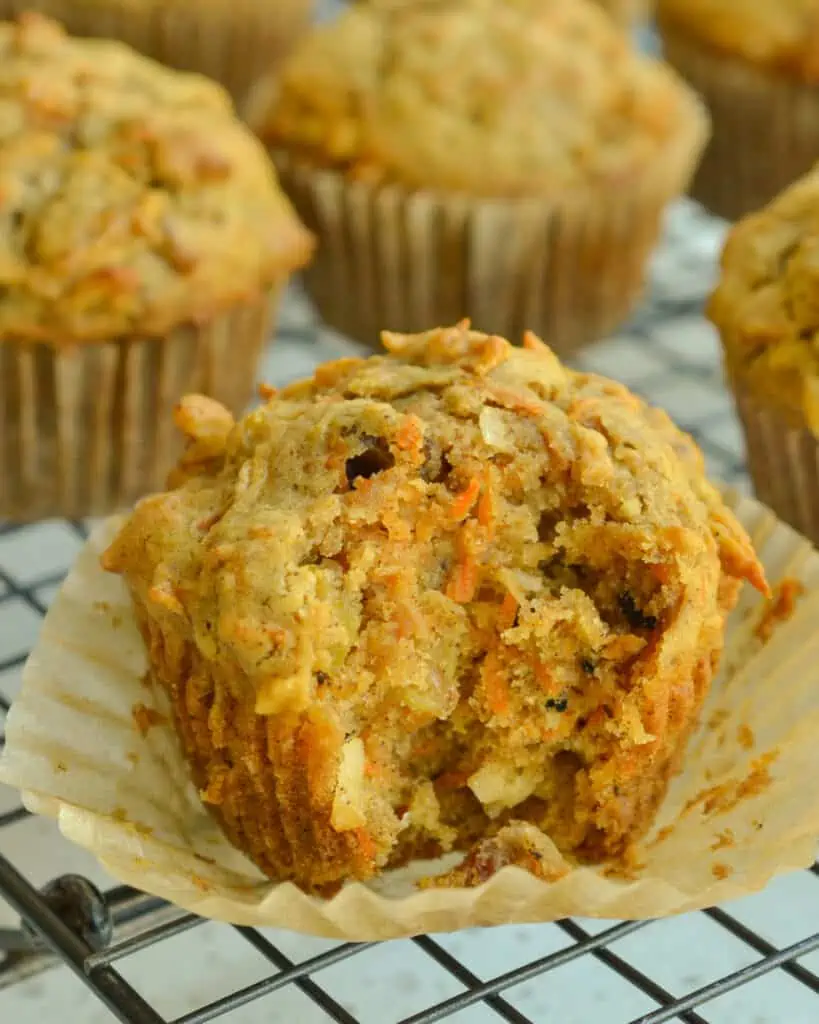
pixel 74 749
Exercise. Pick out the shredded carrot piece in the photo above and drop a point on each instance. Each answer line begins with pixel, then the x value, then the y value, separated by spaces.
pixel 409 434
pixel 508 612
pixel 460 507
pixel 366 845
pixel 486 503
pixel 373 770
pixel 495 684
pixel 464 580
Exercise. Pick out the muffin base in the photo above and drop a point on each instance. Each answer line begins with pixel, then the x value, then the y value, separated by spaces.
pixel 87 429
pixel 571 269
pixel 233 42
pixel 738 173
pixel 783 460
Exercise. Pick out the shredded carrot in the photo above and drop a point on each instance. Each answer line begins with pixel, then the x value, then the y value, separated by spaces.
pixel 508 612
pixel 495 684
pixel 463 583
pixel 409 435
pixel 373 770
pixel 460 507
pixel 486 503
pixel 366 845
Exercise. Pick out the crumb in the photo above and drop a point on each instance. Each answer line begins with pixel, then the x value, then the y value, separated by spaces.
pixel 101 606
pixel 662 835
pixel 116 621
pixel 757 824
pixel 201 884
pixel 724 840
pixel 146 718
pixel 132 756
pixel 718 718
pixel 723 798
pixel 721 871
pixel 745 737
pixel 779 608
pixel 60 767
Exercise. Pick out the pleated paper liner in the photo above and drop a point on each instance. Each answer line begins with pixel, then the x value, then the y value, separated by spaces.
pixel 570 268
pixel 89 744
pixel 783 459
pixel 765 127
pixel 86 429
pixel 232 41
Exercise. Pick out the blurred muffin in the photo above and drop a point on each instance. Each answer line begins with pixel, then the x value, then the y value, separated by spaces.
pixel 143 239
pixel 766 308
pixel 505 161
pixel 626 12
pixel 232 41
pixel 426 599
pixel 756 65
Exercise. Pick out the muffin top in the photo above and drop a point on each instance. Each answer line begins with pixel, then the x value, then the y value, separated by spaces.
pixel 460 531
pixel 782 35
pixel 514 98
pixel 131 197
pixel 766 305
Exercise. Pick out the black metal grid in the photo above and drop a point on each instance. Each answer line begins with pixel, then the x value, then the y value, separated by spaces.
pixel 141 921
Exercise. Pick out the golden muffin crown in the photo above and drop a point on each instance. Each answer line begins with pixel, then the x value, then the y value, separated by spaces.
pixel 520 97
pixel 782 35
pixel 132 198
pixel 423 595
pixel 766 305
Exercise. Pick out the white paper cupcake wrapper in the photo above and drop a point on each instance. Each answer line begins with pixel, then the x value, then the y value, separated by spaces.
pixel 744 809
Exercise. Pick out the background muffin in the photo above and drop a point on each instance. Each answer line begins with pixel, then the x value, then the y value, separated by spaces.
pixel 767 310
pixel 756 65
pixel 144 238
pixel 506 161
pixel 233 41
pixel 422 597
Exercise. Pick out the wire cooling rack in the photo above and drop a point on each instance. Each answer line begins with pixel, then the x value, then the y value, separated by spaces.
pixel 756 962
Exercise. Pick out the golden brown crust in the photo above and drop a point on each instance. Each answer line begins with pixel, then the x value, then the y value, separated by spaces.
pixel 765 305
pixel 132 199
pixel 525 97
pixel 779 35
pixel 424 595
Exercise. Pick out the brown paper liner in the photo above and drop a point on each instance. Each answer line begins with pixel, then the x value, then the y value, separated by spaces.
pixel 743 810
pixel 233 41
pixel 570 269
pixel 765 128
pixel 86 429
pixel 783 459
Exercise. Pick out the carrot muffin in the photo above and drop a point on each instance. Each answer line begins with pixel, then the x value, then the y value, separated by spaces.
pixel 232 41
pixel 429 598
pixel 766 308
pixel 144 240
pixel 756 64
pixel 506 161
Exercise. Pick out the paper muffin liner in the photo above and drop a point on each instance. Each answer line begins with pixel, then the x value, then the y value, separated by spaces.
pixel 570 269
pixel 783 459
pixel 765 128
pixel 91 745
pixel 86 429
pixel 233 41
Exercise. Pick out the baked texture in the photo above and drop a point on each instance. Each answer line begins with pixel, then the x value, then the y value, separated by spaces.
pixel 525 97
pixel 766 305
pixel 430 598
pixel 133 199
pixel 778 35
pixel 231 41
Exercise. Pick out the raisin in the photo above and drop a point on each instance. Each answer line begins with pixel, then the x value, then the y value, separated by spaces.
pixel 557 704
pixel 588 666
pixel 636 618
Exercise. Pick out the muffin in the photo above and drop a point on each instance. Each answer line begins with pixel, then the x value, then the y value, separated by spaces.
pixel 766 308
pixel 756 65
pixel 456 597
pixel 505 161
pixel 144 242
pixel 232 41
